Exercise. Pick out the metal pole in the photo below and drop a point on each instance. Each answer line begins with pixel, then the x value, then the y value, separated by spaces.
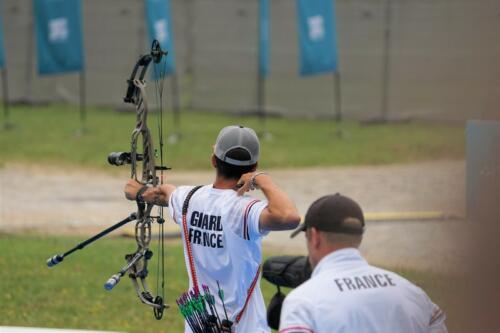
pixel 261 102
pixel 190 73
pixel 29 59
pixel 262 30
pixel 141 29
pixel 386 60
pixel 83 109
pixel 338 97
pixel 5 90
pixel 176 105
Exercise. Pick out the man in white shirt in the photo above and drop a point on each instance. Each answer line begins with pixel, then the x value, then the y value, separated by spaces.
pixel 222 227
pixel 346 294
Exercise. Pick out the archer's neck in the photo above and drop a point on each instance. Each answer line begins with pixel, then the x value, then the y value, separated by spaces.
pixel 224 183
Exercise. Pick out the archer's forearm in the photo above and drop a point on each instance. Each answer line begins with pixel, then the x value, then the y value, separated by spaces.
pixel 282 211
pixel 159 195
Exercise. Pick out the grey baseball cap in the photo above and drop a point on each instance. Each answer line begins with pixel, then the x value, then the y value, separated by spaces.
pixel 237 137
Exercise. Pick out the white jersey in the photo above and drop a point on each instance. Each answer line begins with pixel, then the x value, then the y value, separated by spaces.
pixel 225 237
pixel 345 294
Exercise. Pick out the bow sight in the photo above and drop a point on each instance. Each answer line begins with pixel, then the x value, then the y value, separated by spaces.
pixel 136 266
pixel 121 158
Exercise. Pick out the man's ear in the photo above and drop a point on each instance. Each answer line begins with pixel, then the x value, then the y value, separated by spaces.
pixel 315 237
pixel 214 164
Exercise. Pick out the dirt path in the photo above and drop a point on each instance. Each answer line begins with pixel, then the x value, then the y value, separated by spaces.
pixel 52 200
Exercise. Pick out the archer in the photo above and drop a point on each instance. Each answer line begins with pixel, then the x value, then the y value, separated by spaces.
pixel 222 229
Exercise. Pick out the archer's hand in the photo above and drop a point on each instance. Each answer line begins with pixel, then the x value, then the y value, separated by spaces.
pixel 131 189
pixel 251 181
pixel 243 184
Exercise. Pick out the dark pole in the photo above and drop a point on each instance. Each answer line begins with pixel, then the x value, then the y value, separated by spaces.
pixel 386 60
pixel 83 109
pixel 176 105
pixel 338 97
pixel 29 59
pixel 262 33
pixel 261 101
pixel 189 34
pixel 5 89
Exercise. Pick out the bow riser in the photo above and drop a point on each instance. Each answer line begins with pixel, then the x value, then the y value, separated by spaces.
pixel 141 130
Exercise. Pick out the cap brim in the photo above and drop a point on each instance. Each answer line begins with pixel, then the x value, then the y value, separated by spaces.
pixel 301 227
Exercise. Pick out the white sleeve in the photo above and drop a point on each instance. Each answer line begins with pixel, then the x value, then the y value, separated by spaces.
pixel 437 320
pixel 296 316
pixel 175 204
pixel 252 219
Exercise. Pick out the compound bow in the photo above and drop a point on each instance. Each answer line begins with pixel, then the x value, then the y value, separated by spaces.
pixel 137 262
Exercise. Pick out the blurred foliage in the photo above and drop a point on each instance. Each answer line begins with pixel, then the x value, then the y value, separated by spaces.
pixel 49 135
pixel 71 295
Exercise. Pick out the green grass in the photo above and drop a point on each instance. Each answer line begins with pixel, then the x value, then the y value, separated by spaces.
pixel 46 135
pixel 71 295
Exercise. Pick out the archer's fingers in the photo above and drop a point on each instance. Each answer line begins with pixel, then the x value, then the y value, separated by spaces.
pixel 242 189
pixel 132 183
pixel 131 188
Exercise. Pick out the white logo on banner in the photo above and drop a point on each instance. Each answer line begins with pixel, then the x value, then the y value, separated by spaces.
pixel 161 30
pixel 58 30
pixel 316 27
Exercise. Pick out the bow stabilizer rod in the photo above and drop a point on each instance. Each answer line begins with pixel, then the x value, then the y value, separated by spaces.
pixel 56 259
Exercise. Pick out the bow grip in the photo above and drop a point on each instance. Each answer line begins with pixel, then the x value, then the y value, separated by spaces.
pixel 51 262
pixel 112 282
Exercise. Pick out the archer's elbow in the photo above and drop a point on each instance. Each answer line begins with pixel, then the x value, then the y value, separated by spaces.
pixel 293 220
pixel 288 220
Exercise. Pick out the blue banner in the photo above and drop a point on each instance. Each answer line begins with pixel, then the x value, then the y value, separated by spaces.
pixel 264 41
pixel 59 37
pixel 317 37
pixel 159 24
pixel 2 50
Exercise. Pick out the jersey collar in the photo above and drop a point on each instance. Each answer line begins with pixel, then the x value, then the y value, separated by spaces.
pixel 339 258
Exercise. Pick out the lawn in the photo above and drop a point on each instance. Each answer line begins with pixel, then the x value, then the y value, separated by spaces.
pixel 71 295
pixel 46 135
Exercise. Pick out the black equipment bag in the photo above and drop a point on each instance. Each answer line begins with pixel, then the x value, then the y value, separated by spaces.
pixel 287 271
pixel 283 271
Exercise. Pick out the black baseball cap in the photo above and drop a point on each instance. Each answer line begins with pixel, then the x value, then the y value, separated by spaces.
pixel 332 213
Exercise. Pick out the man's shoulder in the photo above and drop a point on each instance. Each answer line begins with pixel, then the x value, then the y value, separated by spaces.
pixel 179 195
pixel 402 280
pixel 307 291
pixel 321 287
pixel 245 204
pixel 183 190
pixel 403 283
pixel 248 198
